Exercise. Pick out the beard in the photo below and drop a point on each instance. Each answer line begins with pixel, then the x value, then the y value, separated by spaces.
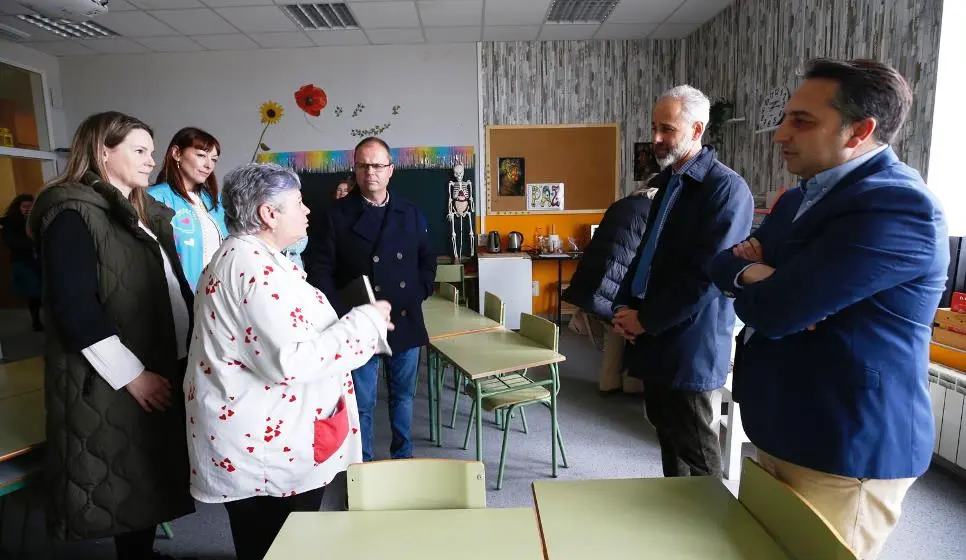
pixel 673 156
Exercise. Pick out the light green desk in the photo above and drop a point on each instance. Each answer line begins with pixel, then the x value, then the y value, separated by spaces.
pixel 23 376
pixel 402 535
pixel 22 424
pixel 640 518
pixel 444 319
pixel 486 354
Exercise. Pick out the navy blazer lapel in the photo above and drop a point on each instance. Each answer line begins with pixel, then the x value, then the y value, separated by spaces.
pixel 800 227
pixel 365 224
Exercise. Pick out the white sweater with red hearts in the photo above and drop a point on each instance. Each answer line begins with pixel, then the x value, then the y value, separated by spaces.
pixel 270 405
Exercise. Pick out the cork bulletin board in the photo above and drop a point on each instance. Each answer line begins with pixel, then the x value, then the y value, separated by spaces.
pixel 584 157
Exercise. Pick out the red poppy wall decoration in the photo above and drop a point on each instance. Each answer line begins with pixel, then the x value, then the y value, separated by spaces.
pixel 311 99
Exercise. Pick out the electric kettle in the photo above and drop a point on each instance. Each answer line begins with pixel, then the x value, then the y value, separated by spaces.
pixel 493 242
pixel 514 242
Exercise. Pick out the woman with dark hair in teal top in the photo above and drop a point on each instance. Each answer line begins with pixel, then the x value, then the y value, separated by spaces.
pixel 187 184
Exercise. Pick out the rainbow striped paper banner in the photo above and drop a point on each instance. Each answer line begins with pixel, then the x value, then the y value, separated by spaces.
pixel 340 161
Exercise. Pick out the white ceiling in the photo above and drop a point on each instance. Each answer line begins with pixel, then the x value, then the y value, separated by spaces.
pixel 199 25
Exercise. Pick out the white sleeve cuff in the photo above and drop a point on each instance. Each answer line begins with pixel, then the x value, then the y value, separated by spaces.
pixel 738 276
pixel 113 361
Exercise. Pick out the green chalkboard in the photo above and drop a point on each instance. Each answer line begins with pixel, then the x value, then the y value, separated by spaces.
pixel 426 188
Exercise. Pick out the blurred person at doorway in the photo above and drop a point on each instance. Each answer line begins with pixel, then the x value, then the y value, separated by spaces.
pixel 24 262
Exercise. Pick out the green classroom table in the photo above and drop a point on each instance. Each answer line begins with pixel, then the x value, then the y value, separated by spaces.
pixel 24 376
pixel 640 518
pixel 445 319
pixel 407 535
pixel 482 355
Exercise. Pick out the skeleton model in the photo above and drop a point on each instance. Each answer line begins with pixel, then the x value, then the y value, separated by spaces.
pixel 460 208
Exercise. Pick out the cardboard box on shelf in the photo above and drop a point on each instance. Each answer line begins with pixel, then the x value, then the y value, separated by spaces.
pixel 949 338
pixel 958 303
pixel 951 320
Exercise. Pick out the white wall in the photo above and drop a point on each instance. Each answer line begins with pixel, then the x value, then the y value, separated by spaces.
pixel 22 56
pixel 436 85
pixel 945 157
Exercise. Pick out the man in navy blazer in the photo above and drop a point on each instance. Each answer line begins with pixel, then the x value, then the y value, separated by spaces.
pixel 385 238
pixel 838 289
pixel 678 323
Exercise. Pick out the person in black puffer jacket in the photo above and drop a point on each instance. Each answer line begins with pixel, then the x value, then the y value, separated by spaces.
pixel 594 284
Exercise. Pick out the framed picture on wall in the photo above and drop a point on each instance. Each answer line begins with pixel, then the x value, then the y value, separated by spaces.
pixel 512 176
pixel 645 163
pixel 547 197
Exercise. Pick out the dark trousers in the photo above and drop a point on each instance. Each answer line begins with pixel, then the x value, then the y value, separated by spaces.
pixel 683 422
pixel 256 521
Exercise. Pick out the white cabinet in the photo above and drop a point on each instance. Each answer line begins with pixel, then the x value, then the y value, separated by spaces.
pixel 508 276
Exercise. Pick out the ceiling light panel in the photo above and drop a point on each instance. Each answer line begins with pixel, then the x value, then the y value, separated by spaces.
pixel 580 11
pixel 321 16
pixel 69 29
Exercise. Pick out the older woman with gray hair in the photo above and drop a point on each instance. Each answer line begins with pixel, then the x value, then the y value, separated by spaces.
pixel 271 409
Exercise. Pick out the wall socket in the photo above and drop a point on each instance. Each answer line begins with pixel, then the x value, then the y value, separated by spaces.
pixel 536 288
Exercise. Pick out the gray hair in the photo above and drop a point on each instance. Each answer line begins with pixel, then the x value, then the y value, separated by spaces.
pixel 695 104
pixel 247 188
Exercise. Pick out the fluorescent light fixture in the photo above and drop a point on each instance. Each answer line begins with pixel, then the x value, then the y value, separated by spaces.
pixel 68 29
pixel 316 17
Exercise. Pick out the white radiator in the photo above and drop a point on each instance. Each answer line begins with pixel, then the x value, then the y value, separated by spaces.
pixel 947 387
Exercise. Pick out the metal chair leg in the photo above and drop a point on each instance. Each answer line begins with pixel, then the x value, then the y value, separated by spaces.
pixel 506 432
pixel 523 417
pixel 456 398
pixel 166 529
pixel 469 426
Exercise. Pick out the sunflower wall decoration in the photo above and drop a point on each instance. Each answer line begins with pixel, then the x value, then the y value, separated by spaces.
pixel 312 100
pixel 270 113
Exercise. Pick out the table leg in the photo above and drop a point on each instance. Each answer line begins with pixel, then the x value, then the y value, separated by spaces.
pixel 439 400
pixel 553 418
pixel 559 290
pixel 479 421
pixel 431 382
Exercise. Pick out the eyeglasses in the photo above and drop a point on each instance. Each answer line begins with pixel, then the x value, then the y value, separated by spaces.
pixel 373 166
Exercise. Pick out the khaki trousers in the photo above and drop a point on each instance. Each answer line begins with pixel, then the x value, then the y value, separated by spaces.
pixel 612 375
pixel 863 511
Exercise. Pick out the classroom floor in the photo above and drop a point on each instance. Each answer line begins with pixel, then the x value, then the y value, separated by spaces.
pixel 605 438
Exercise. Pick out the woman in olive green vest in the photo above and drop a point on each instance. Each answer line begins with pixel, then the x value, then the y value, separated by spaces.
pixel 118 311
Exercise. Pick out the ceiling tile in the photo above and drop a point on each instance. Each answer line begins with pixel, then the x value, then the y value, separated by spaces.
pixel 258 19
pixel 375 15
pixel 195 22
pixel 165 4
pixel 698 11
pixel 120 6
pixel 625 30
pixel 287 39
pixel 36 33
pixel 674 30
pixel 62 48
pixel 452 34
pixel 225 42
pixel 135 24
pixel 223 3
pixel 170 44
pixel 10 7
pixel 510 32
pixel 338 37
pixel 449 14
pixel 568 31
pixel 115 45
pixel 401 36
pixel 515 12
pixel 643 11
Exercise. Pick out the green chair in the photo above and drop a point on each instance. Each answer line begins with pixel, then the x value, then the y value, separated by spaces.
pixel 788 517
pixel 451 273
pixel 449 293
pixel 495 310
pixel 517 390
pixel 407 484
